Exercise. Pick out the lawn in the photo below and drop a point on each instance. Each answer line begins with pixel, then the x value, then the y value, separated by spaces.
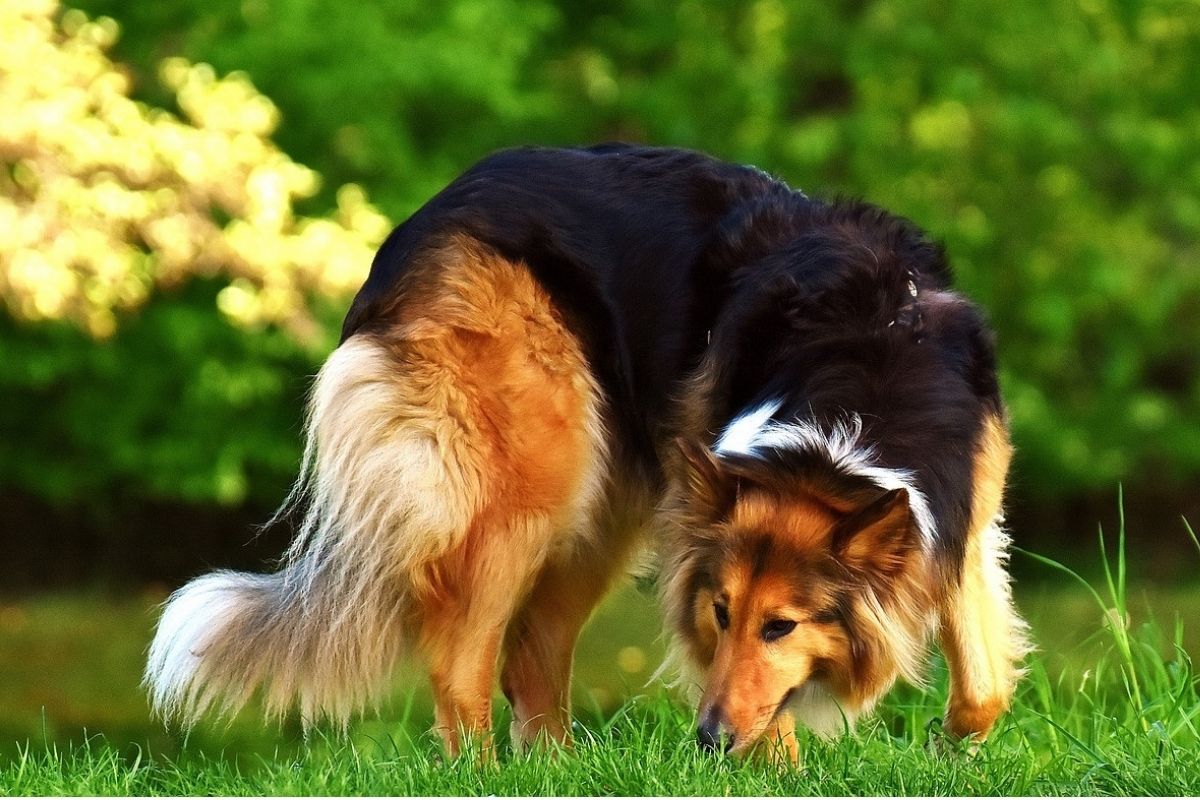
pixel 1110 706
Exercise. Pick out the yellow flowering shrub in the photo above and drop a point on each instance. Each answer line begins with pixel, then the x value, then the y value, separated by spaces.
pixel 104 199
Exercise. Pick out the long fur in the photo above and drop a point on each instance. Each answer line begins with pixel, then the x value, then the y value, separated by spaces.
pixel 841 443
pixel 892 623
pixel 476 418
pixel 323 631
pixel 548 329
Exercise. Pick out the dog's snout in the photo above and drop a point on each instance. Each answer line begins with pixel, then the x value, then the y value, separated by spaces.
pixel 712 735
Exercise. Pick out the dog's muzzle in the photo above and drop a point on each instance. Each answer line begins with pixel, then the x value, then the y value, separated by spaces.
pixel 712 734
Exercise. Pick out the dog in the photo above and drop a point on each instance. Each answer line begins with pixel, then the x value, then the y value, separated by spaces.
pixel 568 354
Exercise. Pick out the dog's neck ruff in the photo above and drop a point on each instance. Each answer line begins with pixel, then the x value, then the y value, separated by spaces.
pixel 753 431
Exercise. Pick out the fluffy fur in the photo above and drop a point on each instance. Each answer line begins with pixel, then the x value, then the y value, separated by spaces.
pixel 840 443
pixel 567 353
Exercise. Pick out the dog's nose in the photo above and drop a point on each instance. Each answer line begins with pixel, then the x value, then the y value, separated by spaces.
pixel 710 734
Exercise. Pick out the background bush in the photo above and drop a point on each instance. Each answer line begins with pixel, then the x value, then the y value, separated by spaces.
pixel 1054 146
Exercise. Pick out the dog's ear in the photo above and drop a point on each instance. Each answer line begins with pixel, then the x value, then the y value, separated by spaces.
pixel 711 492
pixel 876 540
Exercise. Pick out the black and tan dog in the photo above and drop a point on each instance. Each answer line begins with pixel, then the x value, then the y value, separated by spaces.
pixel 569 353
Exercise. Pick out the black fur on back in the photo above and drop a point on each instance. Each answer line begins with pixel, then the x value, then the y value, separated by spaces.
pixel 656 256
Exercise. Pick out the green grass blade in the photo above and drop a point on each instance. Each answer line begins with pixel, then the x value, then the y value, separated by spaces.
pixel 1050 562
pixel 1191 533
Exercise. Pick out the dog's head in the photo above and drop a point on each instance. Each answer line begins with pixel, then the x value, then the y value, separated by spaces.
pixel 787 579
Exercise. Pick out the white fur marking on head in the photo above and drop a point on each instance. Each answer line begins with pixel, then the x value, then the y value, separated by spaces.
pixel 741 434
pixel 841 443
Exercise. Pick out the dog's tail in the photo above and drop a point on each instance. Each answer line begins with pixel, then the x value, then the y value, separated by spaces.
pixel 381 499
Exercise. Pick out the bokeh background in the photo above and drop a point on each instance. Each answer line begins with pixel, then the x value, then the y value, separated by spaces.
pixel 190 191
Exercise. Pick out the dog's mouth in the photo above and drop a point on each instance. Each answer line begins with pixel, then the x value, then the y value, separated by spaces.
pixel 744 744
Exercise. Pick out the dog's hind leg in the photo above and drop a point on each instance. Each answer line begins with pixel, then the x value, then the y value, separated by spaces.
pixel 982 635
pixel 541 641
pixel 461 670
pixel 463 615
pixel 513 387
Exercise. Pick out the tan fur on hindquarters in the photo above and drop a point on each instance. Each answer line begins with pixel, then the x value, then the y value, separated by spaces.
pixel 500 370
pixel 982 635
pixel 453 450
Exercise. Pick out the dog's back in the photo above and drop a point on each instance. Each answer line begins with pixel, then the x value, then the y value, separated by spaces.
pixel 618 236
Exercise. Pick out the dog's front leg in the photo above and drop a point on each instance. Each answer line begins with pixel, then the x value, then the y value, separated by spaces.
pixel 983 639
pixel 779 744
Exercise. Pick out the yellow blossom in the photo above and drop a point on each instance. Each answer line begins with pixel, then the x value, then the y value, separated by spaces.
pixel 103 199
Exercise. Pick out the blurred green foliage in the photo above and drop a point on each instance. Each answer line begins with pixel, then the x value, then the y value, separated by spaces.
pixel 1054 145
pixel 179 404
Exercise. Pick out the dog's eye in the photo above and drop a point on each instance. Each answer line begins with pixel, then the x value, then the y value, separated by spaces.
pixel 777 629
pixel 722 614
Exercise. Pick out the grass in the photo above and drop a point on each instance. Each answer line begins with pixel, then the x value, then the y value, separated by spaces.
pixel 642 751
pixel 1110 708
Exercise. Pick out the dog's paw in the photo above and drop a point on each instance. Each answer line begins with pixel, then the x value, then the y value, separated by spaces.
pixel 941 742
